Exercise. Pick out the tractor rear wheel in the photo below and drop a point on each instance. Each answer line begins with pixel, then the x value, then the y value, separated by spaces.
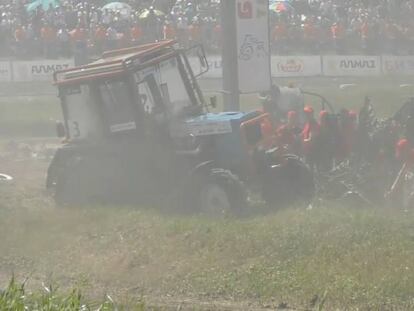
pixel 70 189
pixel 221 193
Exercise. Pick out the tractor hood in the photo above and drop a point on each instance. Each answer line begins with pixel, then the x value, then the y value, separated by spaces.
pixel 212 124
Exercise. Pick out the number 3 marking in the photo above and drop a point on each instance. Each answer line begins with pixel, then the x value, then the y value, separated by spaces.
pixel 76 129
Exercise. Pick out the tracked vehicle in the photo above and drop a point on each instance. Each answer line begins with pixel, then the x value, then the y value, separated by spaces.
pixel 138 130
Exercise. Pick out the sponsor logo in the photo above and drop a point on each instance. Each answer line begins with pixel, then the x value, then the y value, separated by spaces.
pixel 394 66
pixel 210 128
pixel 48 69
pixel 358 64
pixel 399 66
pixel 291 66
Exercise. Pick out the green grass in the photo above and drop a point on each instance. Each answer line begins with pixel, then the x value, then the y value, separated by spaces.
pixel 36 115
pixel 28 116
pixel 356 258
pixel 17 298
pixel 334 256
pixel 386 93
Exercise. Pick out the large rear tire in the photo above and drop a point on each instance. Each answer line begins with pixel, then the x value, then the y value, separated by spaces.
pixel 221 193
pixel 69 189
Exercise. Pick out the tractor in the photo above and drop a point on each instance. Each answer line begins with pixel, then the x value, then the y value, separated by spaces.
pixel 137 129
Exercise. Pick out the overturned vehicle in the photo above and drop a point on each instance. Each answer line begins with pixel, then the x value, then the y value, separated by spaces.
pixel 137 130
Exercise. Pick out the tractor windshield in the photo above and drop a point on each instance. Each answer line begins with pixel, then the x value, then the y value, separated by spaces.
pixel 117 105
pixel 170 88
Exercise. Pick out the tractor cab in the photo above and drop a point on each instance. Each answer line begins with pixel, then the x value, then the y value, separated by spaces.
pixel 125 89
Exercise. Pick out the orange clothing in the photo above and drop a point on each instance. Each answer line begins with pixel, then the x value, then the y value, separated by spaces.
pixel 47 33
pixel 309 30
pixel 100 34
pixel 286 135
pixel 217 30
pixel 78 34
pixel 169 32
pixel 364 30
pixel 279 31
pixel 136 33
pixel 336 31
pixel 19 34
pixel 194 31
pixel 310 130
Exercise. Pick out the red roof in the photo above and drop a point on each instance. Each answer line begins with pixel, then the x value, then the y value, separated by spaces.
pixel 115 62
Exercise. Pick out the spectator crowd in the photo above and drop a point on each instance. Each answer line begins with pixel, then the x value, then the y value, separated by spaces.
pixel 296 26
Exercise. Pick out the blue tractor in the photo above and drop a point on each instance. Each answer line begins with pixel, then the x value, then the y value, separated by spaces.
pixel 137 129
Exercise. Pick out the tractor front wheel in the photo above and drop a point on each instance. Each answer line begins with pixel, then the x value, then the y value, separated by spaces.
pixel 221 193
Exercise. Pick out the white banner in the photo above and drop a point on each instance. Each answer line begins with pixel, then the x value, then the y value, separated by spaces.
pixel 398 65
pixel 215 67
pixel 39 70
pixel 5 72
pixel 351 65
pixel 296 66
pixel 252 20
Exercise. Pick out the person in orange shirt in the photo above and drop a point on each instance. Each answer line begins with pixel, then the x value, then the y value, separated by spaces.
pixel 169 32
pixel 48 37
pixel 217 35
pixel 310 35
pixel 136 34
pixel 194 33
pixel 20 39
pixel 100 36
pixel 401 192
pixel 78 34
pixel 310 135
pixel 124 38
pixel 337 35
pixel 364 35
pixel 279 37
pixel 289 134
pixel 79 39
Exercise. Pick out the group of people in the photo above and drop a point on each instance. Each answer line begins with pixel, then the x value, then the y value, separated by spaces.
pixel 322 140
pixel 296 26
pixel 327 140
pixel 345 27
pixel 62 29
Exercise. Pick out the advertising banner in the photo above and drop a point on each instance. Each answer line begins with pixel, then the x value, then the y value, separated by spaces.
pixel 396 65
pixel 351 65
pixel 215 67
pixel 39 70
pixel 296 66
pixel 5 72
pixel 252 21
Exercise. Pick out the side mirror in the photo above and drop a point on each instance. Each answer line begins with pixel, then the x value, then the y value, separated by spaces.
pixel 60 129
pixel 213 102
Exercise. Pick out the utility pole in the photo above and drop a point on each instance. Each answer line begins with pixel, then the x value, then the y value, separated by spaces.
pixel 231 97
